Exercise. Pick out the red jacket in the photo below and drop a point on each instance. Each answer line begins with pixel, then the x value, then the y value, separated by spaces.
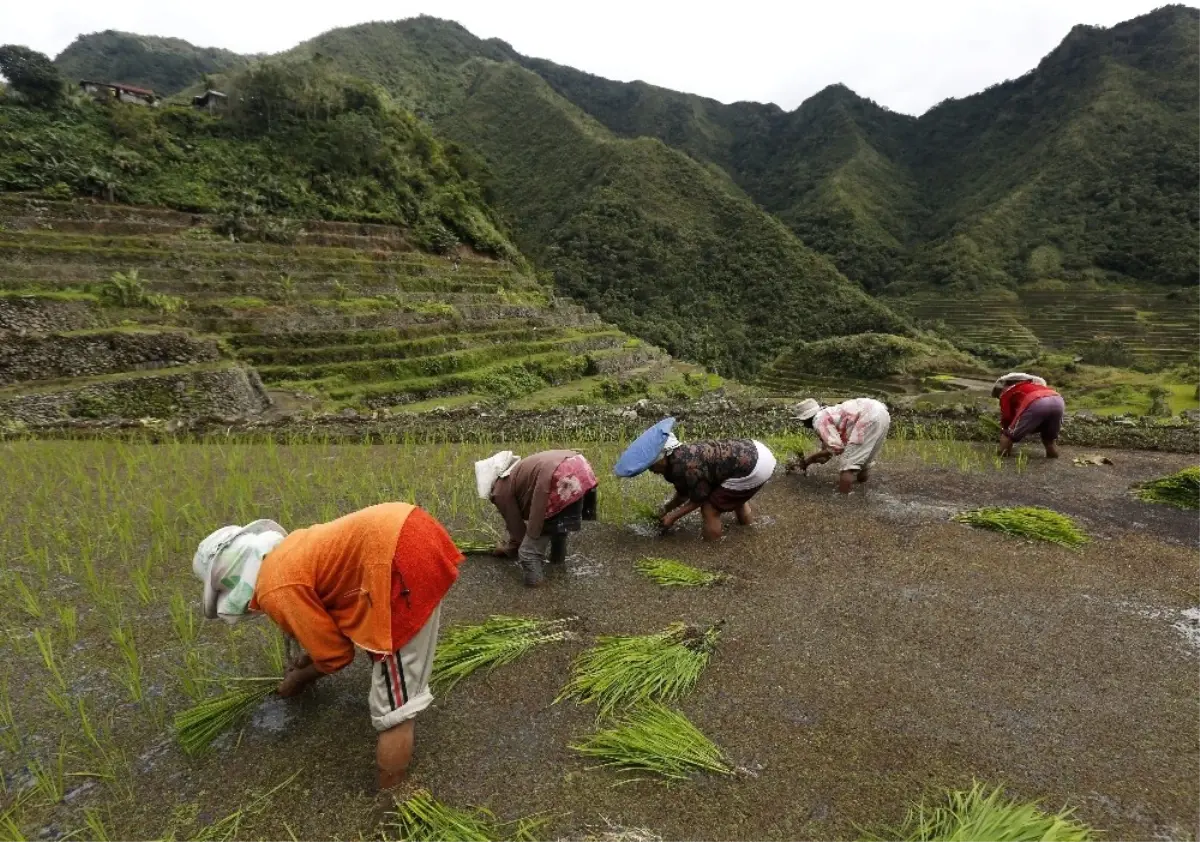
pixel 1015 399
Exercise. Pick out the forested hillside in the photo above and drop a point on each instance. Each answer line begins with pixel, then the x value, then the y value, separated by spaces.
pixel 725 232
pixel 165 65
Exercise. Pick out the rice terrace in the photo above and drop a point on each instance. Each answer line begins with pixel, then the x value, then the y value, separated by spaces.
pixel 405 438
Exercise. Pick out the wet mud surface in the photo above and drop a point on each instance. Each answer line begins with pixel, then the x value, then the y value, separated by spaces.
pixel 872 650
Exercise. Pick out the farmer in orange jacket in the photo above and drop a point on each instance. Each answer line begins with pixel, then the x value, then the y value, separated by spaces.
pixel 1028 405
pixel 373 579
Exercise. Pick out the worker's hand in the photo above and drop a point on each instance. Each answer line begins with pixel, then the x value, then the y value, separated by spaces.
pixel 299 662
pixel 501 551
pixel 666 522
pixel 297 678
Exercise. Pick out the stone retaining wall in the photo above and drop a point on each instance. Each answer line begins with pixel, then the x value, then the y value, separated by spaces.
pixel 229 392
pixel 21 315
pixel 700 419
pixel 50 357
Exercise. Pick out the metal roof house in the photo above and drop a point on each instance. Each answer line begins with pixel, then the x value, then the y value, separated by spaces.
pixel 121 93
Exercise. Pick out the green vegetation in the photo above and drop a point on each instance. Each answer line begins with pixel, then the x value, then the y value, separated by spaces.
pixel 655 738
pixel 671 573
pixel 165 65
pixel 198 726
pixel 32 77
pixel 983 813
pixel 619 673
pixel 422 818
pixel 1180 489
pixel 872 356
pixel 302 141
pixel 499 640
pixel 1027 522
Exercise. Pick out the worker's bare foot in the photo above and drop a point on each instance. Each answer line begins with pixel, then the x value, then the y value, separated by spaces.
pixel 863 475
pixel 744 516
pixel 1051 450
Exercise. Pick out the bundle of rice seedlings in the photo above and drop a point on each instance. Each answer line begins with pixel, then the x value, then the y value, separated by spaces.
pixel 1181 489
pixel 198 726
pixel 671 573
pixel 499 640
pixel 1026 522
pixel 645 512
pixel 657 739
pixel 620 672
pixel 422 818
pixel 469 547
pixel 980 813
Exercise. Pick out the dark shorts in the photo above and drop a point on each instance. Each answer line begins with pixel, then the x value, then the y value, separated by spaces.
pixel 1044 415
pixel 726 499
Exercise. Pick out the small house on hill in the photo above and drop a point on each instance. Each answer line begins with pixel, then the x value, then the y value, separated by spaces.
pixel 211 101
pixel 121 93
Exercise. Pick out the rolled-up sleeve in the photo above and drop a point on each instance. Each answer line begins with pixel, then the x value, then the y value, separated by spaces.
pixel 299 613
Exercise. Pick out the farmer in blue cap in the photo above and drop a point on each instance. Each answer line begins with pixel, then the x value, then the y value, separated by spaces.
pixel 712 476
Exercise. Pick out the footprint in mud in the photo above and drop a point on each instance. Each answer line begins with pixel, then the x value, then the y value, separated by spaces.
pixel 581 567
pixel 272 715
pixel 763 522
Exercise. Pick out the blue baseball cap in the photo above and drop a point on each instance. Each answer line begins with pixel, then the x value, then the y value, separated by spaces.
pixel 645 451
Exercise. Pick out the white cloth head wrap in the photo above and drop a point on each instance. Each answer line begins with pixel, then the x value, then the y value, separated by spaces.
pixel 670 444
pixel 228 561
pixel 487 471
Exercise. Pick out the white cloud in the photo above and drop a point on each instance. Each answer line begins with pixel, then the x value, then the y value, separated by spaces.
pixel 906 56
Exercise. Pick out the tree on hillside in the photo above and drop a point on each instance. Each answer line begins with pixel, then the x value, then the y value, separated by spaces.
pixel 32 75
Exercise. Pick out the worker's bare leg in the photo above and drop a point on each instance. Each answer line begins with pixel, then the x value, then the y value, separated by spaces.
pixel 712 523
pixel 393 753
pixel 744 516
pixel 1051 448
pixel 846 481
pixel 864 474
pixel 1006 446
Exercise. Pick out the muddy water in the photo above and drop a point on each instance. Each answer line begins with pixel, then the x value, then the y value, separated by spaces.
pixel 872 649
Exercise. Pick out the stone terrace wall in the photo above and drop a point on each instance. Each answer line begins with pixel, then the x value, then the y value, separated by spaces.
pixel 45 315
pixel 229 392
pixel 32 358
pixel 700 419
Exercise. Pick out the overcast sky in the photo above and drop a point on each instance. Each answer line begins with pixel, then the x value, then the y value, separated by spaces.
pixel 905 55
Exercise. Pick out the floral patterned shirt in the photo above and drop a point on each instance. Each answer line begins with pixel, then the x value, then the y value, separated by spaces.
pixel 697 470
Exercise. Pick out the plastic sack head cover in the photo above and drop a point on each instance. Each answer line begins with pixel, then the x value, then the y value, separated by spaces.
pixel 645 451
pixel 487 471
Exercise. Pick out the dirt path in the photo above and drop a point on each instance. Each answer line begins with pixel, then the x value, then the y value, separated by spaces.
pixel 872 650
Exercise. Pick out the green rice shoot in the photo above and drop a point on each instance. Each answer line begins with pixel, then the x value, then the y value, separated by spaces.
pixel 422 818
pixel 982 813
pixel 1181 489
pixel 621 672
pixel 644 512
pixel 655 738
pixel 497 641
pixel 671 573
pixel 469 547
pixel 1026 522
pixel 198 726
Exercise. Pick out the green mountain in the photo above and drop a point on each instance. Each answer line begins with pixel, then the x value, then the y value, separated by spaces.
pixel 165 65
pixel 665 246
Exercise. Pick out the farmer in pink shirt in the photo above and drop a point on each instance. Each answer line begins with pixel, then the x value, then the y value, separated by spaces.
pixel 853 430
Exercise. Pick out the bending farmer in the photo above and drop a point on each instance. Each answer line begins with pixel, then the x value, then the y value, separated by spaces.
pixel 1028 405
pixel 712 476
pixel 854 430
pixel 541 497
pixel 374 579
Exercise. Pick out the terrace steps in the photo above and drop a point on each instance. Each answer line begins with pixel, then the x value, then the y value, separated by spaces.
pixel 347 315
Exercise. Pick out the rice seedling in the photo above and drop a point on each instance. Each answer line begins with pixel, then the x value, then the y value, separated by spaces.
pixel 469 547
pixel 671 573
pixel 1180 489
pixel 50 777
pixel 45 645
pixel 497 641
pixel 29 600
pixel 657 739
pixel 10 737
pixel 422 818
pixel 1026 522
pixel 982 813
pixel 95 825
pixel 141 581
pixel 183 619
pixel 132 676
pixel 198 726
pixel 226 828
pixel 620 672
pixel 68 621
pixel 643 512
